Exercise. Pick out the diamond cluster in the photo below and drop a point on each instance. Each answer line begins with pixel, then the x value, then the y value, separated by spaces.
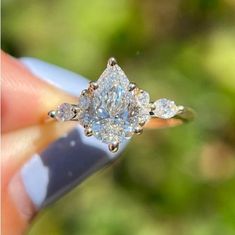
pixel 113 109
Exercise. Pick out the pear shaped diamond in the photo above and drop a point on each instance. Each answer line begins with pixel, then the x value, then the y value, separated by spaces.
pixel 114 112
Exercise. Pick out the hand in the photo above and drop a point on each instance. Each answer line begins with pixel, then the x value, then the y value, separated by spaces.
pixel 40 160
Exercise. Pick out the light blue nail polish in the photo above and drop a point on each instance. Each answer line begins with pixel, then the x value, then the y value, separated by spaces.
pixel 34 171
pixel 61 78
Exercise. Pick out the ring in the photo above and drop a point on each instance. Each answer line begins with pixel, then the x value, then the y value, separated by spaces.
pixel 113 109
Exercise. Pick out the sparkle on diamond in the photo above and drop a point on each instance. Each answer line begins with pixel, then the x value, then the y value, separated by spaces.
pixel 112 111
pixel 165 108
pixel 64 112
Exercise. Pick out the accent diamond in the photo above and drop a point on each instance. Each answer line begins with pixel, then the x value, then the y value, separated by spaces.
pixel 64 112
pixel 165 108
pixel 143 98
pixel 84 101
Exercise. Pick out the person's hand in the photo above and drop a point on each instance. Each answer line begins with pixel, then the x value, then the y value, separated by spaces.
pixel 40 160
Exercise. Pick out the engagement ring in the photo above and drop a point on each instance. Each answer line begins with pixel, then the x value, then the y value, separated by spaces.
pixel 113 109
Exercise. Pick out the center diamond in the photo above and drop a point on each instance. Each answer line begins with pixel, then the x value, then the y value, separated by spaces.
pixel 114 109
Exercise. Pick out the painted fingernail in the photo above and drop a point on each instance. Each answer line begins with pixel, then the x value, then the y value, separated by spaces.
pixel 63 79
pixel 64 164
pixel 70 159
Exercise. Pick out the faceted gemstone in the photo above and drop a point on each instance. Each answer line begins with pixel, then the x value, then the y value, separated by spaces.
pixel 143 98
pixel 165 108
pixel 109 130
pixel 64 112
pixel 113 112
pixel 84 101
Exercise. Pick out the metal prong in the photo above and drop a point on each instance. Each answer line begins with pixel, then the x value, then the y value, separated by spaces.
pixel 88 131
pixel 142 123
pixel 75 108
pixel 180 109
pixel 84 92
pixel 114 147
pixel 93 86
pixel 152 106
pixel 132 86
pixel 52 114
pixel 112 61
pixel 139 130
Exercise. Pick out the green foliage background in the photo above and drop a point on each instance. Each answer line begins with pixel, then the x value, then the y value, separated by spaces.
pixel 167 182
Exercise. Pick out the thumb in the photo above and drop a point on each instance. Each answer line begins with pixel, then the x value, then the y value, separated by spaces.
pixel 25 98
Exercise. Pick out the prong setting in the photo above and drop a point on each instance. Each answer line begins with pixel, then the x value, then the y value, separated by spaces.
pixel 139 130
pixel 132 86
pixel 142 123
pixel 84 92
pixel 112 61
pixel 52 114
pixel 113 147
pixel 152 106
pixel 93 86
pixel 180 109
pixel 88 131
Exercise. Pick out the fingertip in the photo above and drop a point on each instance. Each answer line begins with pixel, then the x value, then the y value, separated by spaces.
pixel 25 98
pixel 17 208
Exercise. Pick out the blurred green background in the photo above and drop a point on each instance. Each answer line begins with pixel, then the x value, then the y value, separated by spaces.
pixel 167 182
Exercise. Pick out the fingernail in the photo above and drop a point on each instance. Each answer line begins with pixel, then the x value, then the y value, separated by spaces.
pixel 70 159
pixel 63 79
